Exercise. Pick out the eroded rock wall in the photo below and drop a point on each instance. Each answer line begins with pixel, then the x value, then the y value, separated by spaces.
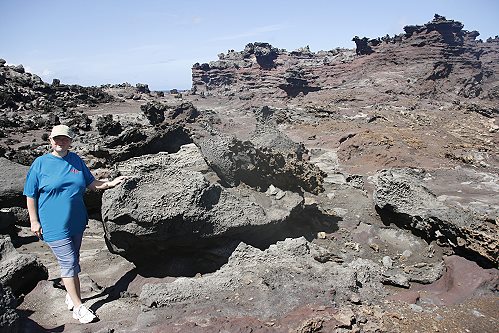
pixel 427 60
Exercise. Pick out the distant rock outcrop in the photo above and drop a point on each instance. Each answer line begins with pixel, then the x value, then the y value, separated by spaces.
pixel 363 47
pixel 20 90
pixel 425 60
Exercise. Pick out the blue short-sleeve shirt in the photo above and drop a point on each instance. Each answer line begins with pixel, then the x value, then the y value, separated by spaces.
pixel 58 185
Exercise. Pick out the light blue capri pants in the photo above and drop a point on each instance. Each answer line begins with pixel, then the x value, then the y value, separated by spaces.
pixel 67 252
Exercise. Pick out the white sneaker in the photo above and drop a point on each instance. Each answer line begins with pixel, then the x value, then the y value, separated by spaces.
pixel 69 302
pixel 83 314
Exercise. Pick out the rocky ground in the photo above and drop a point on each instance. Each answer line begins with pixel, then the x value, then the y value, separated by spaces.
pixel 112 285
pixel 338 191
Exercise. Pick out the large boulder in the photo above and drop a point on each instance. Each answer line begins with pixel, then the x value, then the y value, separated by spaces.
pixel 12 180
pixel 401 197
pixel 171 202
pixel 21 272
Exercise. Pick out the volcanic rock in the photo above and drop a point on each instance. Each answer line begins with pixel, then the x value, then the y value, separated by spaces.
pixel 157 112
pixel 274 126
pixel 259 166
pixel 169 203
pixel 438 57
pixel 272 282
pixel 21 272
pixel 401 198
pixel 9 319
pixel 20 90
pixel 135 140
pixel 461 280
pixel 154 112
pixel 268 135
pixel 12 180
pixel 107 126
pixel 13 216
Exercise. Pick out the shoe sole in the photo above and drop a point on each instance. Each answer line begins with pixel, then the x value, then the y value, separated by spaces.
pixel 85 321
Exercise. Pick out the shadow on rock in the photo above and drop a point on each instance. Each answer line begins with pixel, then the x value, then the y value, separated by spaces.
pixel 403 221
pixel 401 198
pixel 188 262
pixel 308 223
pixel 28 325
pixel 119 289
pixel 19 241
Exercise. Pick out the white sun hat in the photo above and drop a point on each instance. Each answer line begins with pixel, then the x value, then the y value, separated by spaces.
pixel 61 130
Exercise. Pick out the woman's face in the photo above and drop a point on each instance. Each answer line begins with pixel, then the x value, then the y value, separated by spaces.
pixel 60 143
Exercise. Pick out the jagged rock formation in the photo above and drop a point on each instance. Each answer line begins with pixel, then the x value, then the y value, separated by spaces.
pixel 169 203
pixel 238 161
pixel 362 45
pixel 20 90
pixel 268 158
pixel 134 140
pixel 401 198
pixel 260 68
pixel 106 126
pixel 156 113
pixel 437 57
pixel 27 104
pixel 116 141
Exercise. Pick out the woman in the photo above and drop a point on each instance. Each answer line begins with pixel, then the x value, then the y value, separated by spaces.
pixel 54 190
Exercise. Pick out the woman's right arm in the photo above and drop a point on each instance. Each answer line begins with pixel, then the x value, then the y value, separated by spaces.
pixel 36 227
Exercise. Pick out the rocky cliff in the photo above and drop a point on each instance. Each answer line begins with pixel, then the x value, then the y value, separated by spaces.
pixel 439 58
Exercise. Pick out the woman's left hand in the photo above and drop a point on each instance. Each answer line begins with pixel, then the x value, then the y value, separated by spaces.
pixel 118 180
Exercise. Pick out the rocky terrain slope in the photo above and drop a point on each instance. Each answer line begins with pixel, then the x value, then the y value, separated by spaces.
pixel 287 191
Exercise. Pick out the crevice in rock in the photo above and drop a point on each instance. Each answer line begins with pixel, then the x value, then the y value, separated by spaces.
pixel 211 254
pixel 429 234
pixel 306 223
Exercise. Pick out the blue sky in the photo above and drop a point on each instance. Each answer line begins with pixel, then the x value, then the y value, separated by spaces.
pixel 93 42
